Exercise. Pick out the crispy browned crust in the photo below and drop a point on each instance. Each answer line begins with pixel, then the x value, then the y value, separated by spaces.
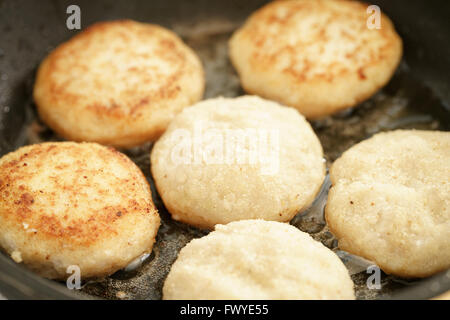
pixel 69 198
pixel 109 84
pixel 281 65
pixel 18 200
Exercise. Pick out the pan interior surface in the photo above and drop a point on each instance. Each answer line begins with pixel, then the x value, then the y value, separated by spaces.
pixel 408 101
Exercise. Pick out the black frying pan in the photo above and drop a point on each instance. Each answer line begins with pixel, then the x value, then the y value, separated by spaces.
pixel 417 97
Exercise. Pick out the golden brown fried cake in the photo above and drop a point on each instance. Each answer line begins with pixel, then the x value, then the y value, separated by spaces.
pixel 318 56
pixel 256 259
pixel 81 204
pixel 390 201
pixel 117 83
pixel 228 159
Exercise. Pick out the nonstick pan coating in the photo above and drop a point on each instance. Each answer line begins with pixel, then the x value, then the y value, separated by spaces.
pixel 417 97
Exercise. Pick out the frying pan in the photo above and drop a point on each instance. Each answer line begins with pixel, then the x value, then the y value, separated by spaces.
pixel 418 96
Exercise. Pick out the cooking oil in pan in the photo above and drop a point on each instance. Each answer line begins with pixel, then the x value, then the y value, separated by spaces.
pixel 403 103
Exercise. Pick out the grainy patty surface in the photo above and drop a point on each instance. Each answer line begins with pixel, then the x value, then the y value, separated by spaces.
pixel 67 203
pixel 228 159
pixel 390 201
pixel 256 259
pixel 318 56
pixel 117 83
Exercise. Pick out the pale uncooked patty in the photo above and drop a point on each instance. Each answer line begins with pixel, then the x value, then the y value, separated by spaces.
pixel 117 83
pixel 318 56
pixel 203 192
pixel 390 201
pixel 82 204
pixel 256 259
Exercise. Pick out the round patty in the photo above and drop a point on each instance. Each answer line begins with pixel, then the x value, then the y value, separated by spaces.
pixel 390 201
pixel 256 259
pixel 318 56
pixel 228 159
pixel 82 204
pixel 117 83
